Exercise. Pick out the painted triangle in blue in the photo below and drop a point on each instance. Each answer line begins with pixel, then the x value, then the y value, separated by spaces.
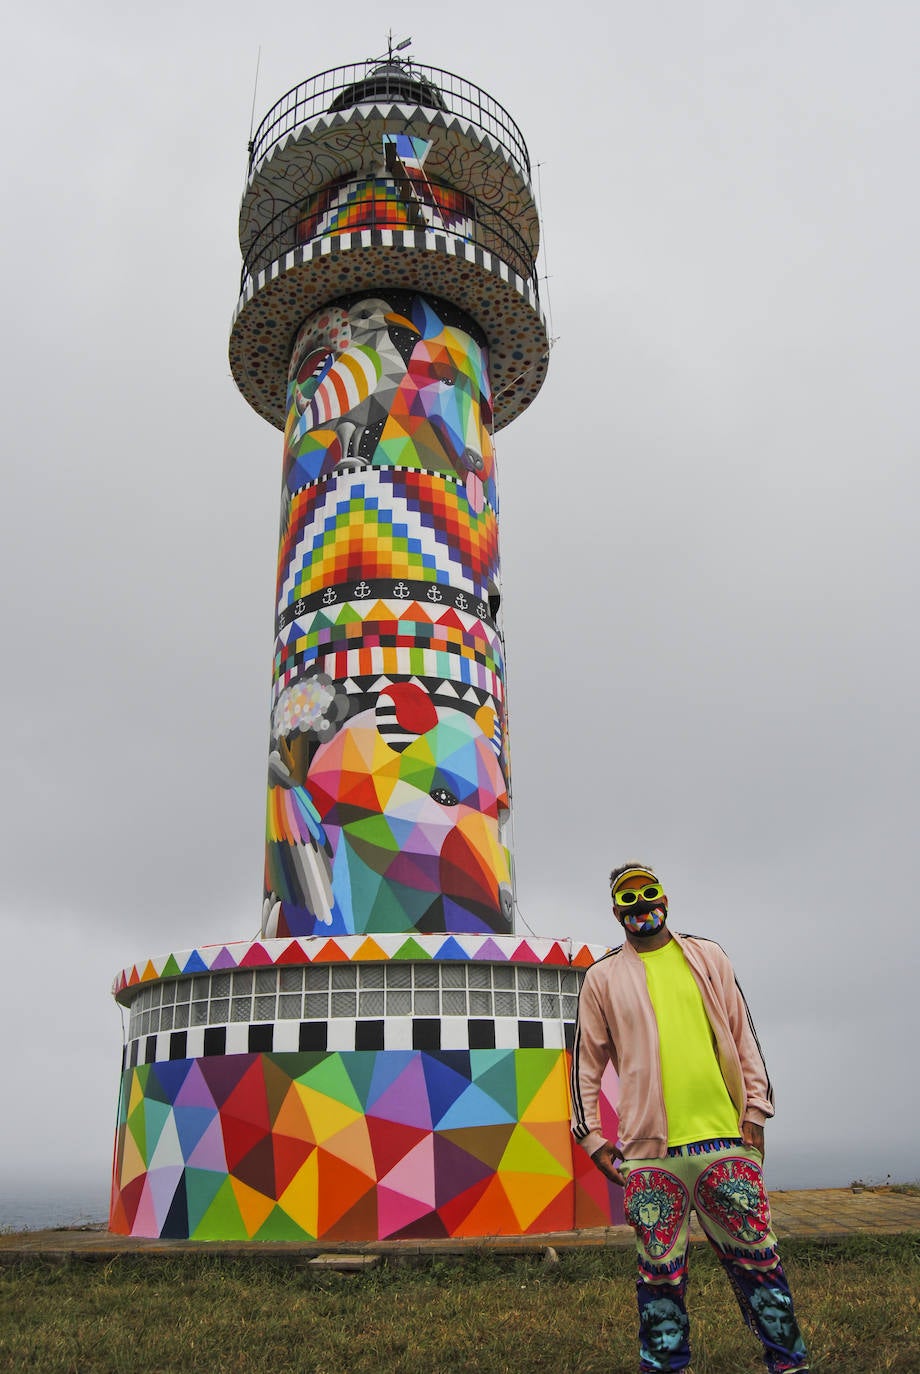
pixel 452 949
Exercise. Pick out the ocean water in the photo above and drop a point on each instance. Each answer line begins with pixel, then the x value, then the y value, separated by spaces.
pixel 35 1209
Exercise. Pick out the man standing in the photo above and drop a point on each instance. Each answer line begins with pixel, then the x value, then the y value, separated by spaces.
pixel 667 1011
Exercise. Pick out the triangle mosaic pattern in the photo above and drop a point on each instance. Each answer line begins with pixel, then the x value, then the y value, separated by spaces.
pixel 354 1146
pixel 359 948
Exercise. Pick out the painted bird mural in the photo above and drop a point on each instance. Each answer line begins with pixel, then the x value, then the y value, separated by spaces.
pixel 396 824
pixel 440 415
pixel 298 853
pixel 344 385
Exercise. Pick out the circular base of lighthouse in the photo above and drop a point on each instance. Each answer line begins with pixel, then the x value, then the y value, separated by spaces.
pixel 354 1089
pixel 276 301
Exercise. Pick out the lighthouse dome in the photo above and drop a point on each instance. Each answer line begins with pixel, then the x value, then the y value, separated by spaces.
pixel 393 82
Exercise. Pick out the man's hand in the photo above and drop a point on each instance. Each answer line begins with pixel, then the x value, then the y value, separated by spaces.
pixel 606 1157
pixel 752 1135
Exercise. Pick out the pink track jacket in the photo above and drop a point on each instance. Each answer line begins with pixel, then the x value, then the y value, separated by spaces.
pixel 616 1021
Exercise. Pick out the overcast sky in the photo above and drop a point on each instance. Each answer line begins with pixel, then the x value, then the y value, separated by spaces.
pixel 709 521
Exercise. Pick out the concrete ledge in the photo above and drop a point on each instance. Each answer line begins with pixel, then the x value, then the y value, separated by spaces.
pixel 819 1214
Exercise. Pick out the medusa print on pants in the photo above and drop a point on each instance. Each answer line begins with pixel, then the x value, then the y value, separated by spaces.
pixel 656 1203
pixel 731 1192
pixel 724 1180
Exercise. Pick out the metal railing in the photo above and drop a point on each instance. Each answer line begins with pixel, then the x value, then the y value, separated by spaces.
pixel 395 82
pixel 478 225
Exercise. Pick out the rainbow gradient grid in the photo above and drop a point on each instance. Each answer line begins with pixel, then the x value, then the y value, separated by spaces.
pixel 385 523
pixel 377 201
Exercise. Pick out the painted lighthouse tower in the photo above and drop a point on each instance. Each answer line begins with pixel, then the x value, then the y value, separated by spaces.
pixel 388 1059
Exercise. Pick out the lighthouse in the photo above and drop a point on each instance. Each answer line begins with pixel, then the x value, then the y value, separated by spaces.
pixel 388 1057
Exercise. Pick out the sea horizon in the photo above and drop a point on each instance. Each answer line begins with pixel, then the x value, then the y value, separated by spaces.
pixel 34 1208
pixel 53 1209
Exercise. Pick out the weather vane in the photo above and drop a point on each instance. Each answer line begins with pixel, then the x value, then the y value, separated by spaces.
pixel 400 46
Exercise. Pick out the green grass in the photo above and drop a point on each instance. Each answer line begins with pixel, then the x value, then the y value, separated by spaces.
pixel 856 1299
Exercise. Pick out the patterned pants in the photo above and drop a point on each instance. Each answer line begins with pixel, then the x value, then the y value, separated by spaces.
pixel 722 1181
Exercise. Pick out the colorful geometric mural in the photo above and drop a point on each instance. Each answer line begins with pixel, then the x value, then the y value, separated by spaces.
pixel 354 1146
pixel 400 381
pixel 452 156
pixel 394 823
pixel 388 771
pixel 387 1060
pixel 405 198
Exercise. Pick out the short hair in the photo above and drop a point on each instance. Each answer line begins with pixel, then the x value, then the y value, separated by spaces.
pixel 616 873
pixel 663 1309
pixel 770 1296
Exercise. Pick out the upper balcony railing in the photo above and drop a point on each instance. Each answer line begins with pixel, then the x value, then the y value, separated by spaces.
pixel 374 207
pixel 388 82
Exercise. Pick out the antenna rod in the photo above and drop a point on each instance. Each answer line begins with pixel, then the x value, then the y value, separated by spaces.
pixel 255 87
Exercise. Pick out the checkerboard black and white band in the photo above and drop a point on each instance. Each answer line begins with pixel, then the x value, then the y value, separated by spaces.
pixel 427 1033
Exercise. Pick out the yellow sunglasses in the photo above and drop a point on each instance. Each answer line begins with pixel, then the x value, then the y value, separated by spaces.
pixel 631 895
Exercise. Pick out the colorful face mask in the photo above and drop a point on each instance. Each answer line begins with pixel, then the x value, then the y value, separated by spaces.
pixel 640 903
pixel 645 923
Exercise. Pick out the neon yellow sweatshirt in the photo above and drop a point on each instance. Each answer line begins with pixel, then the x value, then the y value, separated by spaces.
pixel 616 1022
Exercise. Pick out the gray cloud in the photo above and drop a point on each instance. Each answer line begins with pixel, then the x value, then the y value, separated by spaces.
pixel 708 522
